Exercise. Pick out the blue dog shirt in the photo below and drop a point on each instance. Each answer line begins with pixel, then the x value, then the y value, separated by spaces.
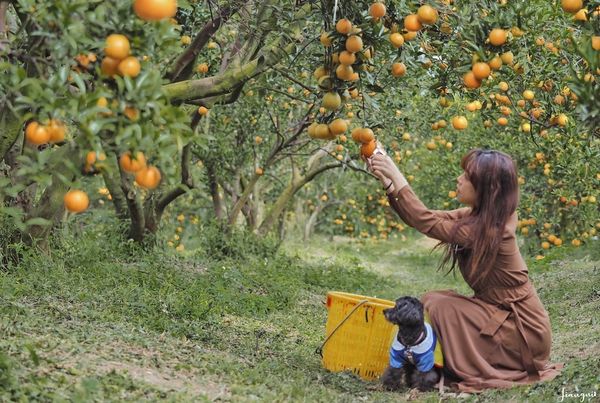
pixel 422 353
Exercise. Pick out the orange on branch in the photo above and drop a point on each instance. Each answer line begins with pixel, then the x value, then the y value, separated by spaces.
pixel 427 14
pixel 36 134
pixel 470 80
pixel 131 165
pixel 459 122
pixel 117 46
pixel 148 177
pixel 497 37
pixel 338 126
pixel 412 23
pixel 571 6
pixel 76 201
pixel 397 40
pixel 481 70
pixel 354 44
pixel 343 26
pixel 331 101
pixel 377 10
pixel 398 69
pixel 367 149
pixel 110 66
pixel 129 67
pixel 155 10
pixel 347 58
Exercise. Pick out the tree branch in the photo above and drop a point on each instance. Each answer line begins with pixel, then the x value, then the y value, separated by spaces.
pixel 184 66
pixel 187 182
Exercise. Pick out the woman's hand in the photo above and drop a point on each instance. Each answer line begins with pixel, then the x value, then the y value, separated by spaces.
pixel 386 170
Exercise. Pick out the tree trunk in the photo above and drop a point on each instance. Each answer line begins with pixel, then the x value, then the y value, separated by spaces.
pixel 213 187
pixel 114 188
pixel 285 197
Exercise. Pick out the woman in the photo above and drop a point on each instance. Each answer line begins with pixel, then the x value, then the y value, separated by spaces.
pixel 501 335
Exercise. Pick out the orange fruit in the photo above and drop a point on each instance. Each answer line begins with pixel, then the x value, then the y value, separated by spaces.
pixel 347 58
pixel 154 10
pixel 596 42
pixel 495 63
pixel 377 10
pixel 131 165
pixel 36 134
pixel 203 111
pixel 507 57
pixel 470 80
pixel 322 131
pixel 497 37
pixel 571 6
pixel 502 121
pixel 528 95
pixel 259 171
pixel 398 69
pixel 427 14
pixel 354 44
pixel 562 120
pixel 57 131
pixel 409 36
pixel 148 177
pixel 90 158
pixel 102 102
pixel 344 72
pixel 117 46
pixel 459 122
pixel 397 40
pixel 366 135
pixel 202 68
pixel 110 66
pixel 76 201
pixel 338 126
pixel 503 86
pixel 481 70
pixel 331 101
pixel 412 23
pixel 343 26
pixel 367 149
pixel 129 67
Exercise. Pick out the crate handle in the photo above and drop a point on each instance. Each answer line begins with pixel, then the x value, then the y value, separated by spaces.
pixel 319 350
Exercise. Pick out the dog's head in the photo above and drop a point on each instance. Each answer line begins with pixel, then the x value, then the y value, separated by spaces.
pixel 407 313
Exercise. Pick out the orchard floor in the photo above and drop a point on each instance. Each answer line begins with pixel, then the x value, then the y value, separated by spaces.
pixel 99 321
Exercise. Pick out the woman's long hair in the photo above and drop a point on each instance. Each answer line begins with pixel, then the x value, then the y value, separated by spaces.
pixel 493 175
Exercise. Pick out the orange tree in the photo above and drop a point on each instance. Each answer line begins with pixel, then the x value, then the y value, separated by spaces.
pixel 485 75
pixel 130 95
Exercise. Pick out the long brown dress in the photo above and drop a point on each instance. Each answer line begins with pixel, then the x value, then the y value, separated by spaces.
pixel 501 335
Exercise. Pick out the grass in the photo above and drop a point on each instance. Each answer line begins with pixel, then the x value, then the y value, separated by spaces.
pixel 101 319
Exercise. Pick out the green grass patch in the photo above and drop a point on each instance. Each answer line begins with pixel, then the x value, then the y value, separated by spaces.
pixel 99 318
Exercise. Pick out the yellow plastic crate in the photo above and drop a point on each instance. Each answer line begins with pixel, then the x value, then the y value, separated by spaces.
pixel 358 335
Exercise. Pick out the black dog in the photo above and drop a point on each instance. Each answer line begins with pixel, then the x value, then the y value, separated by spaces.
pixel 411 354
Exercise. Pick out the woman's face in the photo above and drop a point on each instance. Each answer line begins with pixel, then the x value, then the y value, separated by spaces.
pixel 465 193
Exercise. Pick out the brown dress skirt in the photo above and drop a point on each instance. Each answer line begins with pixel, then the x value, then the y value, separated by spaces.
pixel 500 336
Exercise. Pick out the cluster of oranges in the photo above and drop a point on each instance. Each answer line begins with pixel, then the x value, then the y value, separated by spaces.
pixel 117 60
pixel 352 54
pixel 146 176
pixel 366 138
pixel 52 132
